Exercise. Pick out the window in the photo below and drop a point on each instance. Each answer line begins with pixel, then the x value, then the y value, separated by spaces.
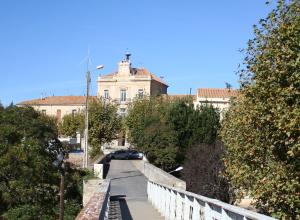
pixel 74 112
pixel 106 94
pixel 44 111
pixel 123 95
pixel 140 93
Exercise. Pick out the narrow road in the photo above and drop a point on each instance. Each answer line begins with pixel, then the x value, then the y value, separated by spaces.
pixel 129 193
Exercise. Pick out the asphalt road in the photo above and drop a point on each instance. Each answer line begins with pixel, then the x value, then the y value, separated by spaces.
pixel 129 193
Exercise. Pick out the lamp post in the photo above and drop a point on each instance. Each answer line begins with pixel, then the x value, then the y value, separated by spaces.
pixel 86 130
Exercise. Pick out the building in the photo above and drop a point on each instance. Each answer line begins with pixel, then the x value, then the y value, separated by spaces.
pixel 120 87
pixel 57 106
pixel 127 83
pixel 218 98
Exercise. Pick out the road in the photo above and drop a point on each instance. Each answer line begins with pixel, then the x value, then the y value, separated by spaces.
pixel 129 193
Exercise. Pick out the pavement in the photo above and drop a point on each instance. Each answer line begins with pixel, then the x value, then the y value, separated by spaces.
pixel 129 193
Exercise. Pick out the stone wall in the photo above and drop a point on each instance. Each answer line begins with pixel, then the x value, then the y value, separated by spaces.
pixel 95 200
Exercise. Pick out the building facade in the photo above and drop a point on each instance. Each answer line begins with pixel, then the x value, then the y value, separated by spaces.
pixel 57 106
pixel 127 83
pixel 218 98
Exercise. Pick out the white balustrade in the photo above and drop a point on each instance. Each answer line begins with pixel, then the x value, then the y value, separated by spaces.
pixel 177 204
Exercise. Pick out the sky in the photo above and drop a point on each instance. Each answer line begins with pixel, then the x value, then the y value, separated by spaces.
pixel 192 43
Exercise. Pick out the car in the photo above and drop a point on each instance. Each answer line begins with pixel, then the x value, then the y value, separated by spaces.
pixel 125 155
pixel 133 154
pixel 120 154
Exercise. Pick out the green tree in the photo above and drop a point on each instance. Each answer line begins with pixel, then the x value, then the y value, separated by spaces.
pixel 29 183
pixel 261 129
pixel 164 129
pixel 28 146
pixel 71 124
pixel 104 124
pixel 1 107
pixel 150 132
pixel 205 124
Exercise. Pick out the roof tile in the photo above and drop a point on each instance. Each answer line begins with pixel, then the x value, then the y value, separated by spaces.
pixel 216 93
pixel 56 100
pixel 137 72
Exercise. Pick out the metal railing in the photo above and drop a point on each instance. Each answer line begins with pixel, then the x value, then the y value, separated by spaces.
pixel 176 204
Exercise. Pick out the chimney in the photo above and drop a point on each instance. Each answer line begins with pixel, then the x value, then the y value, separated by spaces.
pixel 124 66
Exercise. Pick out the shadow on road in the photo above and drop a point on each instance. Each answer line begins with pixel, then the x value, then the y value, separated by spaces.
pixel 124 177
pixel 105 169
pixel 118 208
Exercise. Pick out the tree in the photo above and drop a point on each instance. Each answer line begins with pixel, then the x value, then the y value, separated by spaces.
pixel 164 129
pixel 29 183
pixel 261 129
pixel 150 132
pixel 202 171
pixel 1 107
pixel 205 124
pixel 104 124
pixel 71 124
pixel 180 117
pixel 28 146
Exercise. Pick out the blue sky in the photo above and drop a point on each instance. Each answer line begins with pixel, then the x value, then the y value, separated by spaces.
pixel 191 43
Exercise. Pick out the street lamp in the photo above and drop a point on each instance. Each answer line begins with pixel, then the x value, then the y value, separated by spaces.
pixel 86 131
pixel 177 169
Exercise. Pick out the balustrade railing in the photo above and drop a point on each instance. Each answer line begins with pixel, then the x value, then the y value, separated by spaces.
pixel 176 204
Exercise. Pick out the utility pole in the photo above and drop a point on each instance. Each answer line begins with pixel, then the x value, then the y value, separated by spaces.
pixel 86 130
pixel 86 136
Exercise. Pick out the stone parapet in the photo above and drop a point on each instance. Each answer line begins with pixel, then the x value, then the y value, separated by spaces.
pixel 157 175
pixel 95 200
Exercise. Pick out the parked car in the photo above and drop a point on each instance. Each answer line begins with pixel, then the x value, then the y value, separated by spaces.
pixel 133 154
pixel 126 154
pixel 120 154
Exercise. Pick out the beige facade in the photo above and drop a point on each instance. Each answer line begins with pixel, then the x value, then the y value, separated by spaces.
pixel 57 106
pixel 127 83
pixel 218 98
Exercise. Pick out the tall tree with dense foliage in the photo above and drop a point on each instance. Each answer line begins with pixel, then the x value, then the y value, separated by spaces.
pixel 205 125
pixel 29 183
pixel 28 146
pixel 150 132
pixel 164 129
pixel 104 124
pixel 261 129
pixel 71 124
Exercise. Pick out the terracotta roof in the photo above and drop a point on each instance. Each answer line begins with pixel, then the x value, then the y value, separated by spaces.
pixel 56 100
pixel 216 93
pixel 137 72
